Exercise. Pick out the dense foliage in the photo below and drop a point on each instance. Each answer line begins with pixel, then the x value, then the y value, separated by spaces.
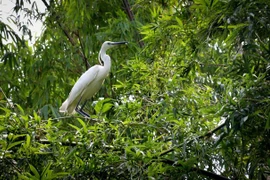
pixel 188 98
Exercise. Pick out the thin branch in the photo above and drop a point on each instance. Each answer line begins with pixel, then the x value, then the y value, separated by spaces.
pixel 11 105
pixel 13 164
pixel 208 134
pixel 195 169
pixel 131 18
pixel 128 10
pixel 210 174
pixel 87 65
pixel 203 172
pixel 91 120
pixel 71 40
pixel 67 143
pixel 46 4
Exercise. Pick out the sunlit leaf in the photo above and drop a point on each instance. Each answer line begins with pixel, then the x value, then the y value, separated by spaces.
pixel 34 171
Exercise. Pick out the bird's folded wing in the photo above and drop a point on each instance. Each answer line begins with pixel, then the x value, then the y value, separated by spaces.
pixel 84 81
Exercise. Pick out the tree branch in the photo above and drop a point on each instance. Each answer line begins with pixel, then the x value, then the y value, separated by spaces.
pixel 208 134
pixel 131 18
pixel 46 4
pixel 71 40
pixel 8 101
pixel 87 65
pixel 45 141
pixel 209 174
pixel 195 169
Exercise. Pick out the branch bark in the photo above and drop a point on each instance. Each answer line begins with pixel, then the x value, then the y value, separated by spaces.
pixel 208 134
pixel 45 141
pixel 131 18
pixel 71 40
pixel 195 169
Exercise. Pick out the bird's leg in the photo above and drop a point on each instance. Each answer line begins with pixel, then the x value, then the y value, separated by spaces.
pixel 80 110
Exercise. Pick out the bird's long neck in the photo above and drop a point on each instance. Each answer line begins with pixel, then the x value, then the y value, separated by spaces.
pixel 103 57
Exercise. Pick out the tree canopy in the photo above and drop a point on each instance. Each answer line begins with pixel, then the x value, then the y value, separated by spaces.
pixel 188 98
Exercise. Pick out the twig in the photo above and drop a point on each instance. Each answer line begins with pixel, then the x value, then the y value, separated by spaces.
pixel 69 117
pixel 87 65
pixel 45 141
pixel 46 4
pixel 13 163
pixel 71 40
pixel 131 18
pixel 208 134
pixel 11 105
pixel 203 172
pixel 195 169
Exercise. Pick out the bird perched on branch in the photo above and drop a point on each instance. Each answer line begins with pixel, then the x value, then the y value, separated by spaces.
pixel 90 82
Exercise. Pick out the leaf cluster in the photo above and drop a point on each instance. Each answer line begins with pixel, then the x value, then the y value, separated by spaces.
pixel 188 98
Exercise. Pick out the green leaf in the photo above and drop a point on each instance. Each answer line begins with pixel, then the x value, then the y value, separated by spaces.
pixel 28 140
pixel 23 177
pixel 33 170
pixel 71 152
pixel 100 105
pixel 14 144
pixel 179 21
pixel 2 128
pixel 75 127
pixel 235 26
pixel 7 111
pixel 267 126
pixel 46 173
pixel 36 117
pixel 20 108
pixel 106 107
pixel 243 120
pixel 54 111
pixel 83 125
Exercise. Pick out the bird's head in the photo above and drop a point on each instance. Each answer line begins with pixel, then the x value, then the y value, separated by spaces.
pixel 109 44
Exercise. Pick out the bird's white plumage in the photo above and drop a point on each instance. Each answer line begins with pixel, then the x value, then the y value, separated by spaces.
pixel 78 90
pixel 90 82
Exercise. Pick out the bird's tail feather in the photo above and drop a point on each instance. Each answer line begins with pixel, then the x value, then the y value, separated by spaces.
pixel 67 108
pixel 63 108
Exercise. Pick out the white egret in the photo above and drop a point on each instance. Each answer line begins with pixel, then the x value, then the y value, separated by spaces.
pixel 90 82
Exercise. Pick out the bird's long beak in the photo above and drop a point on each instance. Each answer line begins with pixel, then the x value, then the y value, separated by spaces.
pixel 118 43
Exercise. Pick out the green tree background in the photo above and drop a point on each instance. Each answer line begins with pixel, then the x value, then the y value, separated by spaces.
pixel 188 98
